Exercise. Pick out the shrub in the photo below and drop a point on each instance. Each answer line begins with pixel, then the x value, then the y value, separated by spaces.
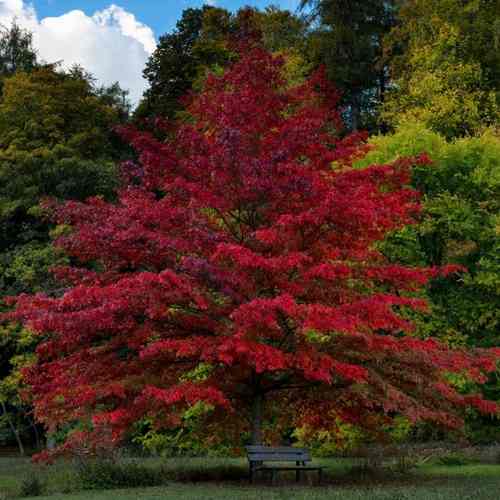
pixel 102 474
pixel 205 469
pixel 32 486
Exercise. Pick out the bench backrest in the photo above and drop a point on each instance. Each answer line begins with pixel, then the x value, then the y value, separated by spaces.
pixel 277 454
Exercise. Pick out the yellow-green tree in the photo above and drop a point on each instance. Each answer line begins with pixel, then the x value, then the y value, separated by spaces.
pixel 347 37
pixel 445 66
pixel 55 141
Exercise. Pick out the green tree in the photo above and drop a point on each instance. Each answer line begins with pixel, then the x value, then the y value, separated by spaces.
pixel 445 65
pixel 461 225
pixel 116 97
pixel 56 141
pixel 16 50
pixel 16 417
pixel 347 37
pixel 171 69
pixel 282 31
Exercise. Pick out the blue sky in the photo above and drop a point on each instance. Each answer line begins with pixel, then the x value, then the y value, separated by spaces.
pixel 160 15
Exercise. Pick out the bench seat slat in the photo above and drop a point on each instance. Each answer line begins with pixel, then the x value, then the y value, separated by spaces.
pixel 277 449
pixel 284 457
pixel 289 467
pixel 278 453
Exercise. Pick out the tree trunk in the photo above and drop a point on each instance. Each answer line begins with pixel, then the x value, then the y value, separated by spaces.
pixel 382 89
pixel 38 442
pixel 355 113
pixel 13 429
pixel 257 419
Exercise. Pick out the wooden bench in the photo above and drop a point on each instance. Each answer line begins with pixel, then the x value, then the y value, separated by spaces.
pixel 258 455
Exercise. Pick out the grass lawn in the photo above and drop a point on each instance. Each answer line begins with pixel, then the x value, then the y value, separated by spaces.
pixel 209 479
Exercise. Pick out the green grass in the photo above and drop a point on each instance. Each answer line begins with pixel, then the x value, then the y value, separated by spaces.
pixel 209 479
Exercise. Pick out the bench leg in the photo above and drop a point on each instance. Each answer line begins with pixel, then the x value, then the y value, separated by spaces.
pixel 297 476
pixel 273 477
pixel 320 476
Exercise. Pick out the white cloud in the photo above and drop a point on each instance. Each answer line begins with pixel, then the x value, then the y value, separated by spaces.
pixel 128 25
pixel 112 44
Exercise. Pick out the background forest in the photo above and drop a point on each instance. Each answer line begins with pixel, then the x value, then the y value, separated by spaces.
pixel 414 76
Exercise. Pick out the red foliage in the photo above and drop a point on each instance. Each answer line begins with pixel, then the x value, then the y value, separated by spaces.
pixel 237 245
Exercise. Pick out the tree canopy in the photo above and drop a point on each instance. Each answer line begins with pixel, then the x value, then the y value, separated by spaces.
pixel 16 50
pixel 55 141
pixel 444 71
pixel 236 274
pixel 247 264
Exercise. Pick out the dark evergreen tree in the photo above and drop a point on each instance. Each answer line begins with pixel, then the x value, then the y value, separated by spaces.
pixel 347 37
pixel 171 69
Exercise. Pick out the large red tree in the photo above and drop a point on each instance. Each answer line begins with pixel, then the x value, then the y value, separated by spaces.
pixel 239 268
